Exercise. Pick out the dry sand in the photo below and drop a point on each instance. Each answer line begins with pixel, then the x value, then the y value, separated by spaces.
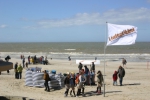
pixel 136 83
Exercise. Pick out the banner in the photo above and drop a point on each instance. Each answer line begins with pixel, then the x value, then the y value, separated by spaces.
pixel 88 62
pixel 121 34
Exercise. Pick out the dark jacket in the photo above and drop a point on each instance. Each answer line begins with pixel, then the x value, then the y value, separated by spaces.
pixel 46 77
pixel 80 66
pixel 121 72
pixel 72 80
pixel 16 65
pixel 93 67
pixel 86 70
pixel 67 80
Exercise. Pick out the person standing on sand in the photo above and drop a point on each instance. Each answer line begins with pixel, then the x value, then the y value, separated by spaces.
pixel 69 58
pixel 19 69
pixel 93 69
pixel 23 62
pixel 34 62
pixel 115 78
pixel 67 84
pixel 92 74
pixel 93 66
pixel 72 84
pixel 121 74
pixel 80 66
pixel 87 75
pixel 26 64
pixel 15 69
pixel 7 59
pixel 124 62
pixel 80 85
pixel 100 80
pixel 46 78
pixel 29 59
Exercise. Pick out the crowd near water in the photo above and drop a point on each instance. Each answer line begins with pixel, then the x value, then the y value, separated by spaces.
pixel 72 51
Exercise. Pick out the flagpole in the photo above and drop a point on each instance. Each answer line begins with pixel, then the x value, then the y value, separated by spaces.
pixel 105 58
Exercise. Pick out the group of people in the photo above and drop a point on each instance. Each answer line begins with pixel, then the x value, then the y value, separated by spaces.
pixel 120 73
pixel 89 73
pixel 84 78
pixel 71 81
pixel 81 79
pixel 18 71
pixel 34 60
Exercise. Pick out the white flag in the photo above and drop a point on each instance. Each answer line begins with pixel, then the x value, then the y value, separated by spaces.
pixel 121 34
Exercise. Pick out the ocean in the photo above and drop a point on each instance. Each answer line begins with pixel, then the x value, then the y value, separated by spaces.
pixel 140 51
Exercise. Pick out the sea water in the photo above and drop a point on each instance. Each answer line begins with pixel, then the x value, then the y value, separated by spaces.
pixel 140 51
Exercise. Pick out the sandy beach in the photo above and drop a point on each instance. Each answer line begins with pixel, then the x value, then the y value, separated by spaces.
pixel 135 83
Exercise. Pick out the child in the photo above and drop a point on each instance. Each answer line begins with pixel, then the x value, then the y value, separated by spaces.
pixel 115 78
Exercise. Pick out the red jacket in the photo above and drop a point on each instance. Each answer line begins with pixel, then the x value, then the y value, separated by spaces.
pixel 115 76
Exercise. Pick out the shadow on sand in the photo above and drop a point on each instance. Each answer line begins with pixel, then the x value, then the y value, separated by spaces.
pixel 112 91
pixel 14 98
pixel 132 84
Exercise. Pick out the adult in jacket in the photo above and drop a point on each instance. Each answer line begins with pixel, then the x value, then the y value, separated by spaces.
pixel 121 74
pixel 100 81
pixel 19 70
pixel 46 78
pixel 15 69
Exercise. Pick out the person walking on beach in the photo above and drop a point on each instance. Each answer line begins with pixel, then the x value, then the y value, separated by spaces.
pixel 7 59
pixel 92 74
pixel 23 62
pixel 115 78
pixel 46 61
pixel 80 66
pixel 20 56
pixel 35 59
pixel 43 60
pixel 26 64
pixel 80 85
pixel 29 59
pixel 19 69
pixel 124 62
pixel 15 69
pixel 99 81
pixel 72 84
pixel 69 58
pixel 67 84
pixel 121 74
pixel 93 69
pixel 46 78
pixel 93 66
pixel 86 75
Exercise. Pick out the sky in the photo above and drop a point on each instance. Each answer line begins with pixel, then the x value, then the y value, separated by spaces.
pixel 70 20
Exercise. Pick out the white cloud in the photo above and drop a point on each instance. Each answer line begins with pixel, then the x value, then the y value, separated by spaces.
pixel 112 16
pixel 3 26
